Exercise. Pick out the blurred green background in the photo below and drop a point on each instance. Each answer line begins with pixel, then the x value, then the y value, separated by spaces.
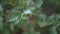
pixel 29 16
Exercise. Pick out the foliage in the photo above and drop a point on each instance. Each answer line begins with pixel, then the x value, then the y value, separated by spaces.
pixel 28 15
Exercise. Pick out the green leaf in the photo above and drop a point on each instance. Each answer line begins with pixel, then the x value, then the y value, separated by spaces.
pixel 52 20
pixel 1 23
pixel 1 9
pixel 52 30
pixel 38 3
pixel 58 18
pixel 27 2
pixel 12 27
pixel 14 18
pixel 43 24
pixel 42 17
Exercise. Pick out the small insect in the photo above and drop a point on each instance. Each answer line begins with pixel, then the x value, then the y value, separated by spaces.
pixel 32 18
